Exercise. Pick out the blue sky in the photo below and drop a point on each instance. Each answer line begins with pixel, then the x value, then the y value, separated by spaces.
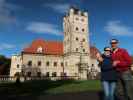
pixel 22 21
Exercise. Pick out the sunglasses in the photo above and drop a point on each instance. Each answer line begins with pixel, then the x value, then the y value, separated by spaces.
pixel 107 50
pixel 114 43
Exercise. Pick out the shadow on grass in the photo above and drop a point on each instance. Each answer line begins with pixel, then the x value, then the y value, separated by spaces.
pixel 31 87
pixel 34 89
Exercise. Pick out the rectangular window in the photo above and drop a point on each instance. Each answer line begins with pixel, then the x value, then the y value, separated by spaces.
pixel 29 63
pixel 17 65
pixel 38 74
pixel 54 74
pixel 55 64
pixel 76 49
pixel 77 39
pixel 47 63
pixel 29 74
pixel 65 74
pixel 47 74
pixel 62 64
pixel 83 50
pixel 83 40
pixel 39 63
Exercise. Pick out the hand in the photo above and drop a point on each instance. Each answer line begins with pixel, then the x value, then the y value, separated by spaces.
pixel 99 58
pixel 131 69
pixel 115 63
pixel 98 55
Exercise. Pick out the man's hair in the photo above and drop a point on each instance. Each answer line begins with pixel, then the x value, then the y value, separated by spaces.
pixel 114 41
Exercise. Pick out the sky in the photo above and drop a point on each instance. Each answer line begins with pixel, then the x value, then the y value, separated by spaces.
pixel 22 21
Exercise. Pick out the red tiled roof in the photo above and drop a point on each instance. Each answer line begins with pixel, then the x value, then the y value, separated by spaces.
pixel 52 48
pixel 48 47
pixel 93 52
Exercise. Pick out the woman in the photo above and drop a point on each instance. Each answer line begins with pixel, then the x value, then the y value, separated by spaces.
pixel 108 74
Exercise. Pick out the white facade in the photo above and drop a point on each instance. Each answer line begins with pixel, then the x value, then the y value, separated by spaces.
pixel 16 64
pixel 75 61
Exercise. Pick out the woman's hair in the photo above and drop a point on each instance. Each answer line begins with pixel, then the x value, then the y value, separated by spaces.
pixel 107 49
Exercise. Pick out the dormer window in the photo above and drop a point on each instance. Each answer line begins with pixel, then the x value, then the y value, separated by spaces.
pixel 39 49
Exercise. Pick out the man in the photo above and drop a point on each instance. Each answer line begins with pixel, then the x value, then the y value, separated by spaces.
pixel 122 63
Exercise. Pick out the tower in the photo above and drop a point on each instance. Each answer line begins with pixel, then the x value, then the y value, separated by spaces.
pixel 76 39
pixel 76 32
pixel 16 65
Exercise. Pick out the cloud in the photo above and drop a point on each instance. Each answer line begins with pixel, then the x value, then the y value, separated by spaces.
pixel 46 28
pixel 60 8
pixel 117 28
pixel 6 10
pixel 6 46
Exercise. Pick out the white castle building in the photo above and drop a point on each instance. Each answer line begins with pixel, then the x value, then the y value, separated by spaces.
pixel 72 57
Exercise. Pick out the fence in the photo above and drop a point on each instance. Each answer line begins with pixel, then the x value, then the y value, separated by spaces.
pixel 8 79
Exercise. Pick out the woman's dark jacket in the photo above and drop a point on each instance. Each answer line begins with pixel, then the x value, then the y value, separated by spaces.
pixel 108 73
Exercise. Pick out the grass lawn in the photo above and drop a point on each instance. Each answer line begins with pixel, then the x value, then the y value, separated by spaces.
pixel 49 87
pixel 77 86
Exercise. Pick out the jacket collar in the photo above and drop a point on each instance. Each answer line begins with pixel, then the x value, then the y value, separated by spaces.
pixel 115 50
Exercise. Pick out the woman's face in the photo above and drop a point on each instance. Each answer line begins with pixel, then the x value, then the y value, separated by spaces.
pixel 107 52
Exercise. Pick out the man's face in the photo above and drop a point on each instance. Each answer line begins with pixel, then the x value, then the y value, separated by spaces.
pixel 114 45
